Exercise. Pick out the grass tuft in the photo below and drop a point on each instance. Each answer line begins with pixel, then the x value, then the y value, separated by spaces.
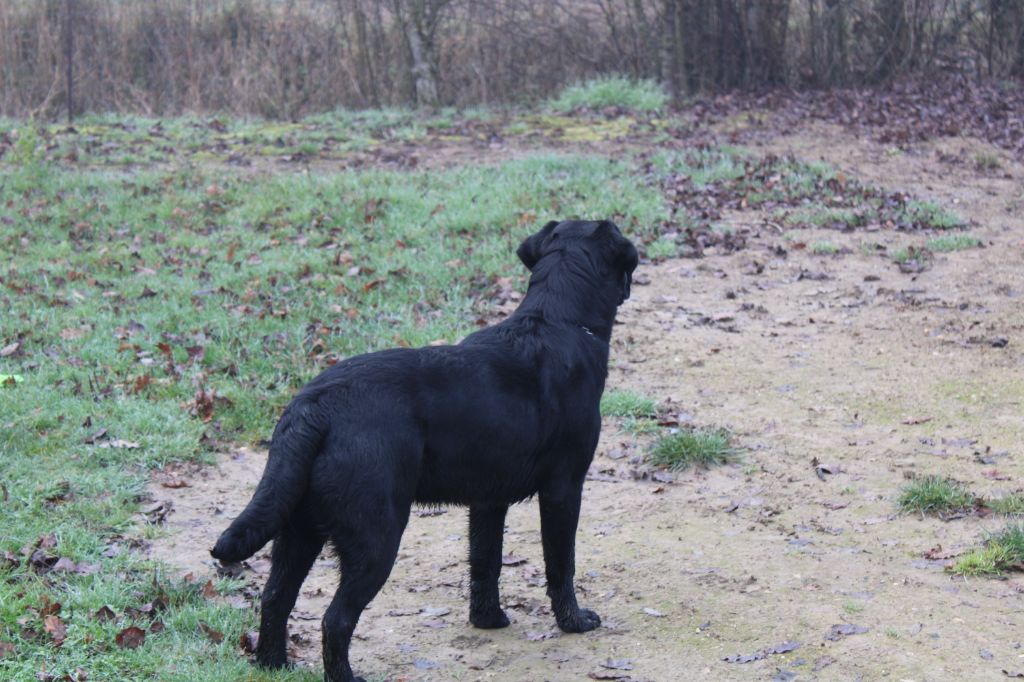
pixel 986 161
pixel 1011 539
pixel 953 242
pixel 640 426
pixel 627 404
pixel 696 447
pixel 935 495
pixel 1011 504
pixel 1002 552
pixel 662 248
pixel 927 215
pixel 612 91
pixel 832 218
pixel 825 248
pixel 985 561
pixel 906 254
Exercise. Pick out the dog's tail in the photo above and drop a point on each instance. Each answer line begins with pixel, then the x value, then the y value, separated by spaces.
pixel 296 442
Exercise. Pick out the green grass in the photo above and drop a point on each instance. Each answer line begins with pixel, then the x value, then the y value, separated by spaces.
pixel 687 448
pixel 132 289
pixel 635 411
pixel 116 141
pixel 1002 552
pixel 662 248
pixel 979 562
pixel 825 248
pixel 611 91
pixel 853 607
pixel 953 242
pixel 640 426
pixel 905 254
pixel 929 215
pixel 986 161
pixel 618 403
pixel 902 254
pixel 1011 504
pixel 834 218
pixel 703 165
pixel 935 495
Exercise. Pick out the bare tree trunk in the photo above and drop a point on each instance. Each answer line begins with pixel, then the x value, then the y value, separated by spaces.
pixel 369 79
pixel 893 38
pixel 69 57
pixel 673 55
pixel 646 62
pixel 419 20
pixel 736 47
pixel 835 42
pixel 766 28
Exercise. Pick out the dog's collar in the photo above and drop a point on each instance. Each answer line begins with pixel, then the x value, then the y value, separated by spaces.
pixel 589 332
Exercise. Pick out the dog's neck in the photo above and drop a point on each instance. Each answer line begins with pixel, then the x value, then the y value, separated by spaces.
pixel 559 294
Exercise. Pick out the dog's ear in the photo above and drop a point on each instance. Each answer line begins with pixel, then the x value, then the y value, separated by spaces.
pixel 627 260
pixel 529 250
pixel 625 256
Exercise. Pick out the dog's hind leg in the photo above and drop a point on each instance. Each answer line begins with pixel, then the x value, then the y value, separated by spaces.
pixel 486 530
pixel 367 555
pixel 559 515
pixel 295 549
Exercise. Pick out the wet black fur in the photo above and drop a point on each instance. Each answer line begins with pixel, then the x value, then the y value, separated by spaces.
pixel 510 412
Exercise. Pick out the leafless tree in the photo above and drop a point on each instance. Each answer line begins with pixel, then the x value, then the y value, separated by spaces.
pixel 288 58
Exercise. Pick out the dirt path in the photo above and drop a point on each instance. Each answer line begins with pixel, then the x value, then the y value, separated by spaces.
pixel 881 375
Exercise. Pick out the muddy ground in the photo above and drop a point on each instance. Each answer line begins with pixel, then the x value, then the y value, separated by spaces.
pixel 879 374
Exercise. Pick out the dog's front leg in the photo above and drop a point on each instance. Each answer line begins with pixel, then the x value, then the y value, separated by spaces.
pixel 486 531
pixel 559 514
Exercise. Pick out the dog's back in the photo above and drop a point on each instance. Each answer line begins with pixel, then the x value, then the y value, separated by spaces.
pixel 477 422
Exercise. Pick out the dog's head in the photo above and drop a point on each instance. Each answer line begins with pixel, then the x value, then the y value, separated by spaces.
pixel 612 256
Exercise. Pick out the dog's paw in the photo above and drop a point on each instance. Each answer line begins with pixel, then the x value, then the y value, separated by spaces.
pixel 272 658
pixel 584 620
pixel 491 620
pixel 273 663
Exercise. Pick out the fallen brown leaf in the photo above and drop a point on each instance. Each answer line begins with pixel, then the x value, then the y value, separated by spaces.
pixel 131 638
pixel 248 641
pixel 104 613
pixel 57 629
pixel 936 553
pixel 141 382
pixel 50 608
pixel 215 636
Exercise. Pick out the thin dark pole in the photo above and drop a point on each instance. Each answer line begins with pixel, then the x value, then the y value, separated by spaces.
pixel 69 50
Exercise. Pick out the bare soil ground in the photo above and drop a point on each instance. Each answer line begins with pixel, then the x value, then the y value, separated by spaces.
pixel 878 374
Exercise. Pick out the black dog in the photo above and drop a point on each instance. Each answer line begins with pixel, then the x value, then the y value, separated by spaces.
pixel 510 412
